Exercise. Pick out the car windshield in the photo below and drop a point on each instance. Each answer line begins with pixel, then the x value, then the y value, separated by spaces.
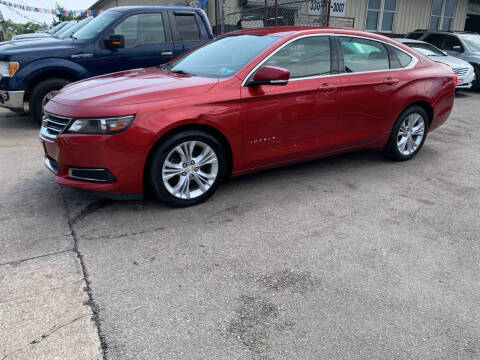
pixel 426 49
pixel 68 33
pixel 57 28
pixel 69 25
pixel 96 26
pixel 222 57
pixel 472 41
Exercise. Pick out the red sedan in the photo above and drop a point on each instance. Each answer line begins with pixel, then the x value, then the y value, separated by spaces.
pixel 246 101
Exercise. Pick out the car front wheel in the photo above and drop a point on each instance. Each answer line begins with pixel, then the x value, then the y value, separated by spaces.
pixel 408 134
pixel 187 168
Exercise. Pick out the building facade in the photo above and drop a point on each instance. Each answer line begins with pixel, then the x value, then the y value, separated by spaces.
pixel 384 16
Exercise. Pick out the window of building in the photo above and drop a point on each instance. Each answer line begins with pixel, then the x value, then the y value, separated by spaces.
pixel 187 27
pixel 305 57
pixel 141 29
pixel 361 55
pixel 380 15
pixel 442 14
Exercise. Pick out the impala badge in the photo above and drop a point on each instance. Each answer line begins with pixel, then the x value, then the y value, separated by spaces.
pixel 263 140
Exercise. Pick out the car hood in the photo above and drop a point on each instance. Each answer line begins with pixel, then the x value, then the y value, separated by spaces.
pixel 32 36
pixel 132 87
pixel 450 60
pixel 34 44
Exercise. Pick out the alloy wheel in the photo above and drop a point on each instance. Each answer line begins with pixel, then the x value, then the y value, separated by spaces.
pixel 190 170
pixel 410 134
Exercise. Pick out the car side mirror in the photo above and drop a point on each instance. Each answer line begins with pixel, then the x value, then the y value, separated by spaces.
pixel 457 48
pixel 270 75
pixel 114 42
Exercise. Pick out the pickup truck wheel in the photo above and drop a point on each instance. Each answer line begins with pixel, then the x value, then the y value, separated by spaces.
pixel 476 82
pixel 41 94
pixel 187 168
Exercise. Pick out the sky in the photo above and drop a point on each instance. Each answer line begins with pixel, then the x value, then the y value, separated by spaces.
pixel 47 4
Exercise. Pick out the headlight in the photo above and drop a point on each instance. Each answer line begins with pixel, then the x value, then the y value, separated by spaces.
pixel 8 69
pixel 100 126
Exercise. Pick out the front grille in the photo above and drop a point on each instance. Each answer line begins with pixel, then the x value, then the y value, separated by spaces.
pixel 52 125
pixel 460 71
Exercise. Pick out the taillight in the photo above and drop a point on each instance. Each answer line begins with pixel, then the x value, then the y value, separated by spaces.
pixel 455 80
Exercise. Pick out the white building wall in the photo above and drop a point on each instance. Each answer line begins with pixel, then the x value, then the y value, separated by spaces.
pixel 410 14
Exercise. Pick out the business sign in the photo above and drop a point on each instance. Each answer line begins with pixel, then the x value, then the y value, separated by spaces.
pixel 315 7
pixel 337 8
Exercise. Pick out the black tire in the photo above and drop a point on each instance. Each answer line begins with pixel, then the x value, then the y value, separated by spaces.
pixel 392 150
pixel 155 167
pixel 39 92
pixel 476 82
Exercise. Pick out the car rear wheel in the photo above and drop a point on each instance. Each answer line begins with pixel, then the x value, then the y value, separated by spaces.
pixel 408 134
pixel 187 168
pixel 41 95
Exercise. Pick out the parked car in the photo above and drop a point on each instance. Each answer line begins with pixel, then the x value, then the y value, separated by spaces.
pixel 463 70
pixel 41 35
pixel 118 39
pixel 249 100
pixel 69 31
pixel 461 44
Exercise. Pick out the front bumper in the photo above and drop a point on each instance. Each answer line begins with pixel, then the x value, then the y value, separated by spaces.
pixel 465 82
pixel 12 99
pixel 71 156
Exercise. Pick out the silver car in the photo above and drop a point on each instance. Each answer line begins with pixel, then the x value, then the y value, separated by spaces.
pixel 464 45
pixel 463 70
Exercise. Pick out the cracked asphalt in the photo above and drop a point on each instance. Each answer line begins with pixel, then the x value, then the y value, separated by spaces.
pixel 350 257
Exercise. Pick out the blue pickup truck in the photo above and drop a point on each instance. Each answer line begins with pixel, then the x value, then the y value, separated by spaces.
pixel 118 39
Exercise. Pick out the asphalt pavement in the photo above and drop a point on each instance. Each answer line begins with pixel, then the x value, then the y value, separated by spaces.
pixel 348 257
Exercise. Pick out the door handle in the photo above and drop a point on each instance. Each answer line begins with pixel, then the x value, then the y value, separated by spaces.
pixel 390 81
pixel 327 87
pixel 166 53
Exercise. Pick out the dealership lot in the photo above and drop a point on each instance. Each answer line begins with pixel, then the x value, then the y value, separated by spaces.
pixel 351 257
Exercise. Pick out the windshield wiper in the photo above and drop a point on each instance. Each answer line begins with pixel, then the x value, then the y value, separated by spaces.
pixel 182 72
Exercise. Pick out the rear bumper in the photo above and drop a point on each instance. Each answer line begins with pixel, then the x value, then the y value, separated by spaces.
pixel 12 99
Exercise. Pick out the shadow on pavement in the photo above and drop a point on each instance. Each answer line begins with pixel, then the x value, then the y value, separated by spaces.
pixel 11 120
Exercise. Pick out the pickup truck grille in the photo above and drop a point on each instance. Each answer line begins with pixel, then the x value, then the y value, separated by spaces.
pixel 460 71
pixel 52 125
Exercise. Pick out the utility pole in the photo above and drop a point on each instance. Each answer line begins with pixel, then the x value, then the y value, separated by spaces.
pixel 327 14
pixel 276 12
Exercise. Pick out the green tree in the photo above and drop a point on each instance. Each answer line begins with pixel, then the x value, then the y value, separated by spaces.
pixel 61 18
pixel 11 28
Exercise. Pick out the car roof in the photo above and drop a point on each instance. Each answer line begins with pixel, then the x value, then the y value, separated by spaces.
pixel 127 9
pixel 285 31
pixel 406 40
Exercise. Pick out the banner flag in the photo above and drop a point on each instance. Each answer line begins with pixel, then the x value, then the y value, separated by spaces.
pixel 16 6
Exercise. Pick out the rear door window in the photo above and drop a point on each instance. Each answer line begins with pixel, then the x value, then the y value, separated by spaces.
pixel 398 58
pixel 360 55
pixel 187 27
